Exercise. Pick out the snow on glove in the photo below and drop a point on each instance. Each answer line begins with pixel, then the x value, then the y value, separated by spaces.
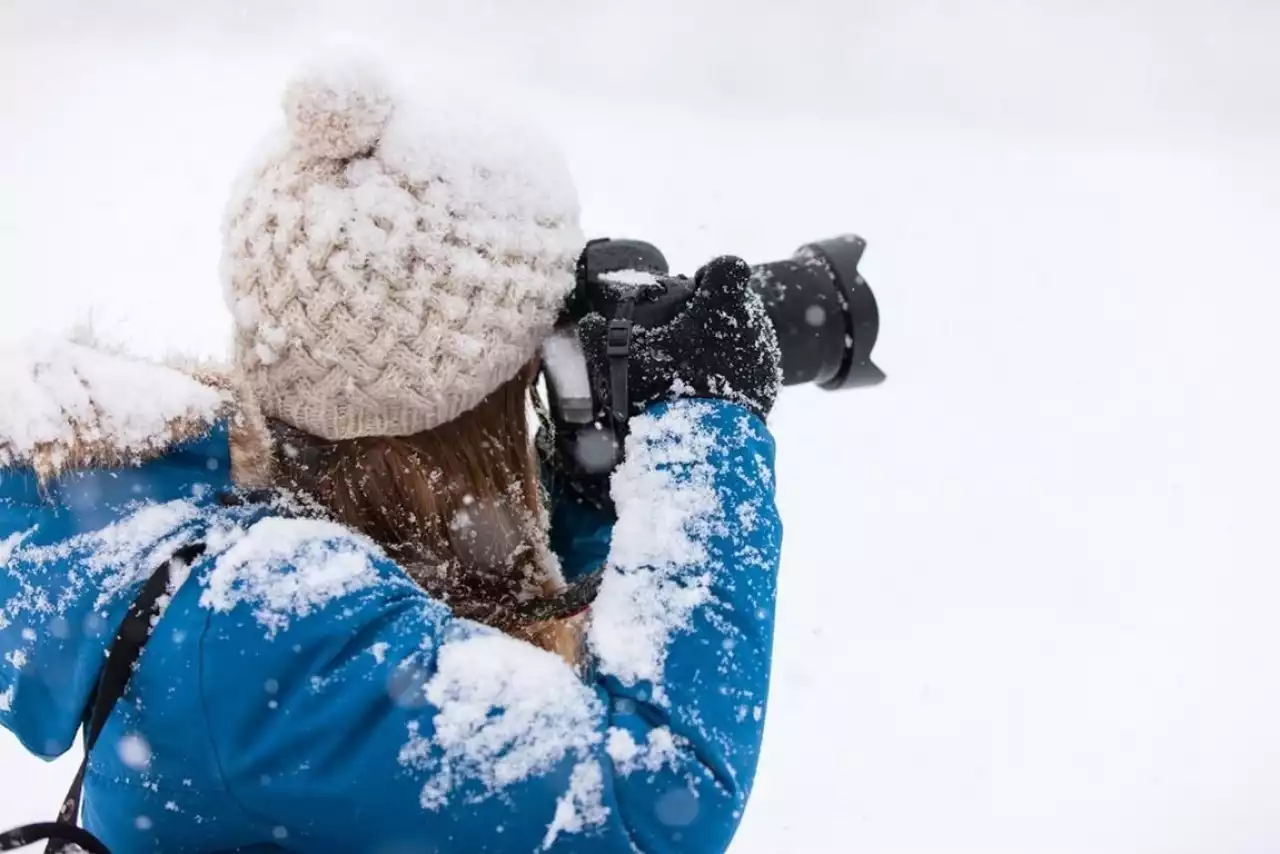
pixel 720 345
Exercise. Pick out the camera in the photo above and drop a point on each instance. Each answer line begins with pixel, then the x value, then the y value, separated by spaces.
pixel 821 307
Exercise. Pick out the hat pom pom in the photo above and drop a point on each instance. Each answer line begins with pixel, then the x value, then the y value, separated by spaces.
pixel 337 110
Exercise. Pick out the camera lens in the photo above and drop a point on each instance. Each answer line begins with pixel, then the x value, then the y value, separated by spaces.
pixel 824 312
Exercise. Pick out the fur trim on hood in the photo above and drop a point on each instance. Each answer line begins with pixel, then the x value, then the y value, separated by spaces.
pixel 67 406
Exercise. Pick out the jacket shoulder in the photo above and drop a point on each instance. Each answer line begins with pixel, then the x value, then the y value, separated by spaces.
pixel 280 570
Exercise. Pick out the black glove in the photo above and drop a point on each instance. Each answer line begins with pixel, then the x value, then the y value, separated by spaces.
pixel 721 344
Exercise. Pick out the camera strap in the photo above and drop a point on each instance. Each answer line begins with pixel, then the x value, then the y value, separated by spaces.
pixel 121 657
pixel 576 599
pixel 618 351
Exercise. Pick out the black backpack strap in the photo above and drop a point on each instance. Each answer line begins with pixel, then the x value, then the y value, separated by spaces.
pixel 125 649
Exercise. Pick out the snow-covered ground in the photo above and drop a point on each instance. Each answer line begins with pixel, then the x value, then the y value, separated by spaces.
pixel 1030 584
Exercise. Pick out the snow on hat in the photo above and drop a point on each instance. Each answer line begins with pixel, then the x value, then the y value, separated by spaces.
pixel 390 262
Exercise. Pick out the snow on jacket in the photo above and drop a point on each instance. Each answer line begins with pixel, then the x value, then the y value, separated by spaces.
pixel 300 693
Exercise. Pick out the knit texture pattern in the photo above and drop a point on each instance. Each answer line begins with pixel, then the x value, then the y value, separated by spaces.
pixel 390 262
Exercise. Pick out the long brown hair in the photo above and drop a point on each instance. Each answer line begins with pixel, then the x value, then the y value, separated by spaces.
pixel 458 506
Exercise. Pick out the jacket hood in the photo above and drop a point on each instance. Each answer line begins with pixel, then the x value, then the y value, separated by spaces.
pixel 68 407
pixel 105 462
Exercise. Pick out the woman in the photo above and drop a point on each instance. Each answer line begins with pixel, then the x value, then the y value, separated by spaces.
pixel 360 550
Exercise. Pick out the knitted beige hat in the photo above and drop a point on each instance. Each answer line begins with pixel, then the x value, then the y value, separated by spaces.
pixel 390 263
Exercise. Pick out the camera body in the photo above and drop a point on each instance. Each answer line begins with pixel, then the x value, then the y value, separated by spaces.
pixel 822 309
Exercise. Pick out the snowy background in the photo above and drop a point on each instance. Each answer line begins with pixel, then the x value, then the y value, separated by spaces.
pixel 1030 584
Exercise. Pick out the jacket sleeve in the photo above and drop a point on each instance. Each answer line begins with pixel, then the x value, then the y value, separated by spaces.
pixel 580 531
pixel 379 722
pixel 580 535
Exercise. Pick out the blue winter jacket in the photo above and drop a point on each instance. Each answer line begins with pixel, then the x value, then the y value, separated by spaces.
pixel 300 693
